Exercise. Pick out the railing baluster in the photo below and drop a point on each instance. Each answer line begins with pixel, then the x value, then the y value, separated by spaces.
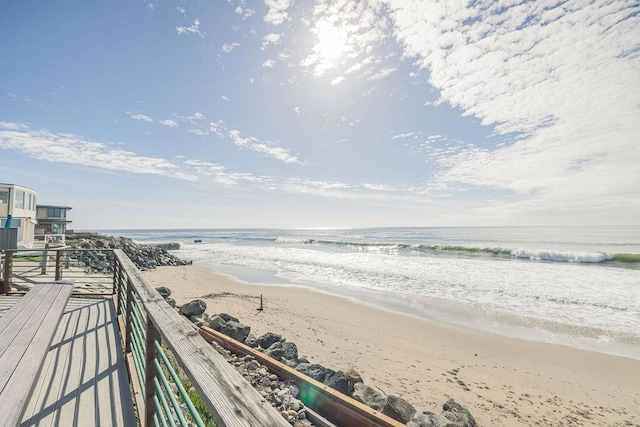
pixel 153 336
pixel 58 275
pixel 8 264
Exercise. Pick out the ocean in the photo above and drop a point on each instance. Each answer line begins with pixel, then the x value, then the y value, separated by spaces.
pixel 576 286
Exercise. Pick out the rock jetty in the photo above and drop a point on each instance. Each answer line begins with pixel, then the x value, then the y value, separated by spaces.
pixel 284 397
pixel 145 257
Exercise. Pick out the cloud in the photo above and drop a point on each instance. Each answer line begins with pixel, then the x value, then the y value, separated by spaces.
pixel 181 10
pixel 227 48
pixel 72 149
pixel 556 76
pixel 271 38
pixel 297 110
pixel 382 73
pixel 277 13
pixel 140 116
pixel 265 148
pixel 169 123
pixel 269 63
pixel 337 80
pixel 194 29
pixel 224 98
pixel 244 11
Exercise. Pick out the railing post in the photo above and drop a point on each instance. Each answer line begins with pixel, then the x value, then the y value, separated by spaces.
pixel 149 387
pixel 128 317
pixel 43 263
pixel 8 264
pixel 58 275
pixel 116 277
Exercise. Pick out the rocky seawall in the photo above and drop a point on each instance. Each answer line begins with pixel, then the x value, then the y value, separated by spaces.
pixel 145 257
pixel 284 397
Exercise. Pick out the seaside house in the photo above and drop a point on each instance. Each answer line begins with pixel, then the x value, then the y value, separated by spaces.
pixel 18 209
pixel 52 223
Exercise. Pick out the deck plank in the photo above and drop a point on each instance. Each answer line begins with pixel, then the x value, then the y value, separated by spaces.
pixel 86 381
pixel 26 332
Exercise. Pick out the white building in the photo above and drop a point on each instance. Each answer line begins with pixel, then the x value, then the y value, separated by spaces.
pixel 20 203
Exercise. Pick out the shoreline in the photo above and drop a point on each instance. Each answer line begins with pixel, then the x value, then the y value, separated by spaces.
pixel 501 380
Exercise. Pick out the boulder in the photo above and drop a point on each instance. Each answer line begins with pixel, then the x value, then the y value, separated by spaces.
pixel 228 317
pixel 216 323
pixel 424 419
pixel 164 292
pixel 236 330
pixel 399 409
pixel 456 415
pixel 339 382
pixel 266 340
pixel 369 396
pixel 353 375
pixel 193 308
pixel 171 302
pixel 314 370
pixel 251 340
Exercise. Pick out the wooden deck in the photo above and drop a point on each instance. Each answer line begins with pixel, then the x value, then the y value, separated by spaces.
pixel 83 381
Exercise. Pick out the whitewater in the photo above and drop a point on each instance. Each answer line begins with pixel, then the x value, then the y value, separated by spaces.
pixel 577 286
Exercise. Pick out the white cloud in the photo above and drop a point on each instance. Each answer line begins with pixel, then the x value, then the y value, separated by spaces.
pixel 337 80
pixel 193 29
pixel 227 48
pixel 140 116
pixel 297 110
pixel 271 38
pixel 559 76
pixel 169 123
pixel 245 12
pixel 73 149
pixel 382 73
pixel 265 148
pixel 225 98
pixel 269 63
pixel 181 10
pixel 277 13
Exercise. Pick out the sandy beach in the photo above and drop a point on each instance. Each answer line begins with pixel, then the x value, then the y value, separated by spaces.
pixel 502 381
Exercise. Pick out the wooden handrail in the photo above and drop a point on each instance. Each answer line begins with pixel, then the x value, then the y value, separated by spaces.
pixel 231 400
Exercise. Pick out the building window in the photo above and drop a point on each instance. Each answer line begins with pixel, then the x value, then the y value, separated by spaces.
pixel 19 199
pixel 4 196
pixel 56 213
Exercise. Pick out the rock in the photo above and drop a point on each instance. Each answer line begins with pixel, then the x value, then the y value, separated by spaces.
pixel 424 419
pixel 217 323
pixel 236 330
pixel 353 375
pixel 228 318
pixel 193 308
pixel 339 382
pixel 369 396
pixel 283 350
pixel 265 341
pixel 399 409
pixel 456 415
pixel 251 340
pixel 232 329
pixel 315 371
pixel 171 302
pixel 197 320
pixel 164 292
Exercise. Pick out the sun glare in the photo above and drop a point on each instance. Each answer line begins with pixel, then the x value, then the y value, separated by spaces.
pixel 331 43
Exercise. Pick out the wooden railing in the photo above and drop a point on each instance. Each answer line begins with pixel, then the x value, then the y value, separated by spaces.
pixel 158 343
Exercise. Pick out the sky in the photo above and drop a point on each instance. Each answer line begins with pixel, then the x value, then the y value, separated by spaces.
pixel 293 113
